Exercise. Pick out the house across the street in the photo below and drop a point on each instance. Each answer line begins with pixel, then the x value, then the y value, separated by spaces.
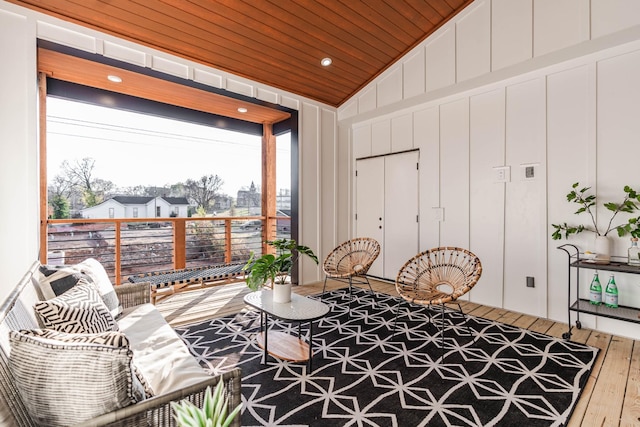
pixel 139 207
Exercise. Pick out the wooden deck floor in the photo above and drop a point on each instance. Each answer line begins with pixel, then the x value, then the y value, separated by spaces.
pixel 611 396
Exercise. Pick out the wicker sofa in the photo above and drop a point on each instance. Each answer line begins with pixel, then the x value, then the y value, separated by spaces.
pixel 17 314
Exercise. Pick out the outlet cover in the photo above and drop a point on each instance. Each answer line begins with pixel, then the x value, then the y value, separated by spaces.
pixel 502 173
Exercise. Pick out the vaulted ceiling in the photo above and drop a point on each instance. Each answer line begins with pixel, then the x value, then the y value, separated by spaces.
pixel 276 42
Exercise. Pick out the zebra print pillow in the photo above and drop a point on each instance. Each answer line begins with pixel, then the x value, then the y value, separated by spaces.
pixel 65 379
pixel 79 310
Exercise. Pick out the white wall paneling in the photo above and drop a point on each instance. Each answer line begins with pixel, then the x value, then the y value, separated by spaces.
pixel 361 141
pixel 381 137
pixel 426 133
pixel 310 187
pixel 401 133
pixel 525 215
pixel 511 29
pixel 413 74
pixel 367 99
pixel 390 87
pixel 609 16
pixel 440 55
pixel 343 187
pixel 207 78
pixel 123 53
pixel 19 194
pixel 570 138
pixel 618 149
pixel 487 197
pixel 541 111
pixel 328 176
pixel 454 173
pixel 559 24
pixel 473 41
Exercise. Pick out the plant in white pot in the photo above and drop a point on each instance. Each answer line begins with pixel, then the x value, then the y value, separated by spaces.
pixel 587 201
pixel 276 269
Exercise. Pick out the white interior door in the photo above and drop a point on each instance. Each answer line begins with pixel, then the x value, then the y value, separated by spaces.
pixel 370 205
pixel 401 226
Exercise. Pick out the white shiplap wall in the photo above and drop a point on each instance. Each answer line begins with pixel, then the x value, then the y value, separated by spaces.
pixel 514 83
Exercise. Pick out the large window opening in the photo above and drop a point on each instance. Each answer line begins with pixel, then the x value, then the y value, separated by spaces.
pixel 144 185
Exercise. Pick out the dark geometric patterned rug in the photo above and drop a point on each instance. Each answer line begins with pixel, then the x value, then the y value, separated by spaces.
pixel 487 374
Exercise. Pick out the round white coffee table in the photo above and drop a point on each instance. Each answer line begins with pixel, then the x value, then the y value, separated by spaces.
pixel 301 310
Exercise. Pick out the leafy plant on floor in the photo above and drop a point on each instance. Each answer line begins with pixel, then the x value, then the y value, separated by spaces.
pixel 212 414
pixel 587 201
pixel 275 268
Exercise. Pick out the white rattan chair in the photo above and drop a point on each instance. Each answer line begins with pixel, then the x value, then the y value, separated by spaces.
pixel 350 262
pixel 437 277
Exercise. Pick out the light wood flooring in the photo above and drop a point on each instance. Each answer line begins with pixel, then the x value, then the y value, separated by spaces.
pixel 611 396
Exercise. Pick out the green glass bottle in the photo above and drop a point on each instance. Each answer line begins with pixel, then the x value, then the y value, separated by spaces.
pixel 595 290
pixel 611 293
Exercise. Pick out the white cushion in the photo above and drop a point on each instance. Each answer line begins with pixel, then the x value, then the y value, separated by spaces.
pixel 95 270
pixel 79 310
pixel 161 356
pixel 65 379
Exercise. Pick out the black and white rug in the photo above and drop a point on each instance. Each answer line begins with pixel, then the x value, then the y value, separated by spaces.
pixel 488 374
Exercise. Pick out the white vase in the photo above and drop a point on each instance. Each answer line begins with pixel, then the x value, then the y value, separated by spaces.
pixel 282 292
pixel 603 249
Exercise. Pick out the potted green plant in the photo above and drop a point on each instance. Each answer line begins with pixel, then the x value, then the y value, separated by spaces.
pixel 587 201
pixel 212 414
pixel 276 269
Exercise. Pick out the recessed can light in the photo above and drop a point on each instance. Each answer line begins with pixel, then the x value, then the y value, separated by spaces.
pixel 242 110
pixel 326 62
pixel 114 78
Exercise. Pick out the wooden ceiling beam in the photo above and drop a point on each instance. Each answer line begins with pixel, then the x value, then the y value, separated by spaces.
pixel 89 73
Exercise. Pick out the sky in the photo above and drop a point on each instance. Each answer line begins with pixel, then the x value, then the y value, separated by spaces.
pixel 133 149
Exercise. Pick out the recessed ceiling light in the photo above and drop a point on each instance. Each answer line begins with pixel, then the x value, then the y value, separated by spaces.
pixel 242 110
pixel 326 62
pixel 115 79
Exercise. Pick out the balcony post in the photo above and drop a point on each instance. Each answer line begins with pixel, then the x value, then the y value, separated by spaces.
pixel 227 241
pixel 179 243
pixel 118 255
pixel 268 186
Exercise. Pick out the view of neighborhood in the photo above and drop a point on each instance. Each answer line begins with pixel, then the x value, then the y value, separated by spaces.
pixel 107 164
pixel 96 154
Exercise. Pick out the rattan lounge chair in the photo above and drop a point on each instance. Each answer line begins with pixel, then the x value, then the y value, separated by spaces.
pixel 437 277
pixel 350 262
pixel 166 283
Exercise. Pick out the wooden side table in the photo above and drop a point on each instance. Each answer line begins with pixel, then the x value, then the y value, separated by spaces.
pixel 300 309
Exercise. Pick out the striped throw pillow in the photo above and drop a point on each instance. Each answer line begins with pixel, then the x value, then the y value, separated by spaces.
pixel 65 379
pixel 79 310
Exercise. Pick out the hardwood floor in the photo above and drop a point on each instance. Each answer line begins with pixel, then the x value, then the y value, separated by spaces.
pixel 611 396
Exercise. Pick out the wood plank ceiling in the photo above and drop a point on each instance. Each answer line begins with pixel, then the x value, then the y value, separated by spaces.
pixel 276 42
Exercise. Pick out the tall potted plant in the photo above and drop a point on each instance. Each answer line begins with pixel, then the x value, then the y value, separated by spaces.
pixel 587 201
pixel 276 269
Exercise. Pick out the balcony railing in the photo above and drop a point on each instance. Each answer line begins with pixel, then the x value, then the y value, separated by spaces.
pixel 128 246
